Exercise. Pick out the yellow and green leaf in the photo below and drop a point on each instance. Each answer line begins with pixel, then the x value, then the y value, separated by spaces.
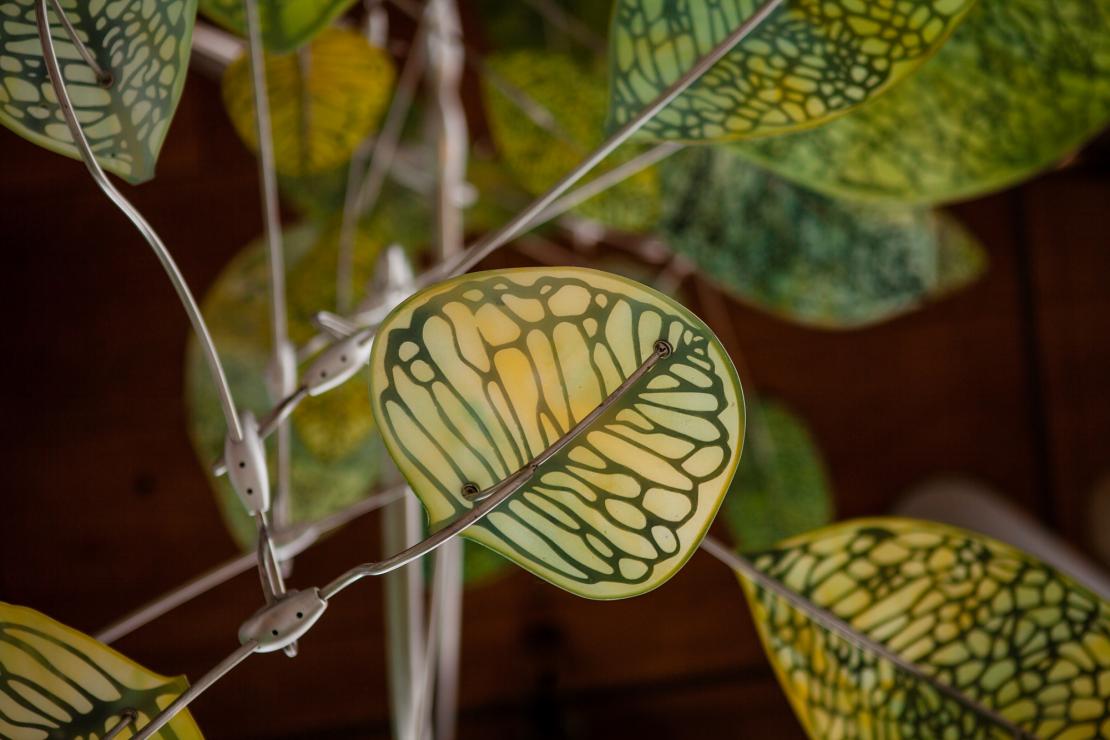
pixel 781 488
pixel 324 100
pixel 898 628
pixel 569 99
pixel 1021 86
pixel 145 46
pixel 286 24
pixel 56 682
pixel 808 62
pixel 473 378
pixel 806 257
pixel 336 451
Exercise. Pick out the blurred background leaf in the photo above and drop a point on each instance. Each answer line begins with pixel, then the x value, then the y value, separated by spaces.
pixel 286 24
pixel 1021 85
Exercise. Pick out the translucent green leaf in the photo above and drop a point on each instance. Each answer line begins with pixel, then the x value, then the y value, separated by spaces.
pixel 808 258
pixel 286 24
pixel 979 627
pixel 808 62
pixel 323 102
pixel 482 565
pixel 573 95
pixel 336 451
pixel 780 489
pixel 474 377
pixel 146 48
pixel 56 682
pixel 1021 86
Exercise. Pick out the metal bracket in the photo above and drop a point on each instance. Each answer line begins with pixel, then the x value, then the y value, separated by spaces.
pixel 246 459
pixel 280 624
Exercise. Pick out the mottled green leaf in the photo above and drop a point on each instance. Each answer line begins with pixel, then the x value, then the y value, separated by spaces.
pixel 286 24
pixel 780 489
pixel 56 682
pixel 808 258
pixel 810 61
pixel 980 628
pixel 336 451
pixel 144 45
pixel 323 102
pixel 573 96
pixel 473 378
pixel 1020 87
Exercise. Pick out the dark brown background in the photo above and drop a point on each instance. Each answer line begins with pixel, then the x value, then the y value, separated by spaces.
pixel 105 506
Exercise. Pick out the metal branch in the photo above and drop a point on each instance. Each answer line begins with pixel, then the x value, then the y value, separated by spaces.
pixel 227 402
pixel 842 629
pixel 289 543
pixel 523 220
pixel 203 684
pixel 103 76
pixel 493 496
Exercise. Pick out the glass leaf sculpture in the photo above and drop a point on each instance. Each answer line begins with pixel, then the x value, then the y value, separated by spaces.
pixel 475 377
pixel 144 45
pixel 286 24
pixel 916 629
pixel 809 61
pixel 58 683
pixel 1021 86
pixel 322 104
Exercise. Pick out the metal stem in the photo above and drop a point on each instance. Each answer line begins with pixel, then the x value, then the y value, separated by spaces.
pixel 493 496
pixel 835 624
pixel 360 200
pixel 203 684
pixel 103 76
pixel 126 718
pixel 227 402
pixel 523 220
pixel 281 362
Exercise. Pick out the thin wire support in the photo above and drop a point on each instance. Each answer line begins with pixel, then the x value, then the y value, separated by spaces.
pixel 103 76
pixel 361 199
pixel 523 220
pixel 203 684
pixel 126 718
pixel 291 542
pixel 215 367
pixel 282 362
pixel 835 624
pixel 493 496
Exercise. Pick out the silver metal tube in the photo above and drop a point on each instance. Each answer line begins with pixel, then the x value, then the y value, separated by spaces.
pixel 835 624
pixel 523 220
pixel 126 718
pixel 203 684
pixel 492 497
pixel 215 367
pixel 103 76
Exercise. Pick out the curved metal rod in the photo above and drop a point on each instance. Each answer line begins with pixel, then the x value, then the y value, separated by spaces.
pixel 835 624
pixel 203 684
pixel 103 76
pixel 523 220
pixel 183 293
pixel 493 496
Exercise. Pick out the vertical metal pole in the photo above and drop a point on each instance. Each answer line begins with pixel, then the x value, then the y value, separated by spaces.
pixel 447 57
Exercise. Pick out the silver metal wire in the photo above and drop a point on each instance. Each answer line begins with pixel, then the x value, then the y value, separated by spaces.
pixel 103 76
pixel 126 718
pixel 493 496
pixel 202 684
pixel 208 347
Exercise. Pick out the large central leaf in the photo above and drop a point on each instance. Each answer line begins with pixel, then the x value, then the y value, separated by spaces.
pixel 809 61
pixel 1021 85
pixel 986 635
pixel 144 45
pixel 58 683
pixel 473 378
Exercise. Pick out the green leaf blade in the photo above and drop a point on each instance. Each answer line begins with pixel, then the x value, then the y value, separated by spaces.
pixel 286 24
pixel 145 46
pixel 806 63
pixel 803 256
pixel 58 682
pixel 984 638
pixel 1021 86
pixel 475 377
